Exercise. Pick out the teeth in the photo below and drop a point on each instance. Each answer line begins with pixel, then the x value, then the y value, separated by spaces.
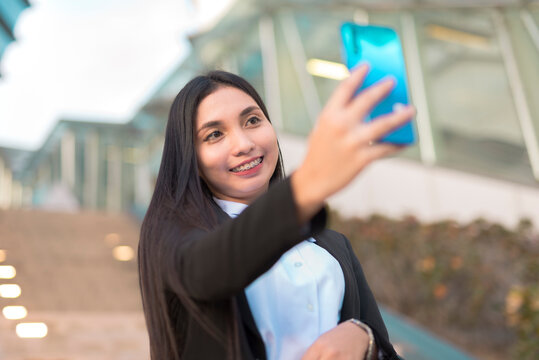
pixel 248 166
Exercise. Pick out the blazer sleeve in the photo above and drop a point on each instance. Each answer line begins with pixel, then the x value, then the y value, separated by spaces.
pixel 213 265
pixel 369 312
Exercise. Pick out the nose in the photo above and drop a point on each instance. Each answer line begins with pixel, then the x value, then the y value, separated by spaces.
pixel 242 144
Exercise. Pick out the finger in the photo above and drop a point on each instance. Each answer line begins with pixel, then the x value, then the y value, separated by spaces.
pixel 379 151
pixel 368 98
pixel 346 89
pixel 382 125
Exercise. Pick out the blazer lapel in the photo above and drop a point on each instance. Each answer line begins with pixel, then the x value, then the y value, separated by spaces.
pixel 251 331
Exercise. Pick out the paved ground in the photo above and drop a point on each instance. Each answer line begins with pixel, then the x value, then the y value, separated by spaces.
pixel 71 281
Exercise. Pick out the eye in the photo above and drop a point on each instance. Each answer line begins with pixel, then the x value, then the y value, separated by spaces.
pixel 253 120
pixel 214 135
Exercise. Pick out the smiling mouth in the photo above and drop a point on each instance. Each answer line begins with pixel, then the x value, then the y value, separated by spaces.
pixel 248 166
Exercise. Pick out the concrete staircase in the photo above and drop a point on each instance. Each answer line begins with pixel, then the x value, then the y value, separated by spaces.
pixel 71 281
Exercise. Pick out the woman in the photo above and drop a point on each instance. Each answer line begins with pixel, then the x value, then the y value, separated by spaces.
pixel 234 259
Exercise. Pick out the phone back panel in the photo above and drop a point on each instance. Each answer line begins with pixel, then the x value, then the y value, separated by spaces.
pixel 380 47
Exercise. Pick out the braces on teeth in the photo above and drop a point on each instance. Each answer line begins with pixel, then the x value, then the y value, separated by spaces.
pixel 248 166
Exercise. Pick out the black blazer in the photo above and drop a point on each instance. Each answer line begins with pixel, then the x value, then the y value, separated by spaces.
pixel 215 267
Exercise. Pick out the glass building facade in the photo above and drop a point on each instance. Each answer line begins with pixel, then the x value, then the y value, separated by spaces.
pixel 472 68
pixel 473 77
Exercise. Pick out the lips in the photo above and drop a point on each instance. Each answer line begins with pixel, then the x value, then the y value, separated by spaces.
pixel 247 165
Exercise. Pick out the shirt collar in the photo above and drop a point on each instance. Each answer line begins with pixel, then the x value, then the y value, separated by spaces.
pixel 232 208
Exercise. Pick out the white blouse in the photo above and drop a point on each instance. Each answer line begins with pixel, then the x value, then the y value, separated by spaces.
pixel 298 299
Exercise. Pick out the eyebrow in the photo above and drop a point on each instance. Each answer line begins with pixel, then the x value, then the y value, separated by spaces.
pixel 216 123
pixel 247 110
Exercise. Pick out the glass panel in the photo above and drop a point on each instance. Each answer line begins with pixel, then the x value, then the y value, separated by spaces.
pixel 248 59
pixel 128 186
pixel 79 166
pixel 102 172
pixel 320 36
pixel 522 27
pixel 294 111
pixel 56 165
pixel 470 103
pixel 172 85
pixel 154 114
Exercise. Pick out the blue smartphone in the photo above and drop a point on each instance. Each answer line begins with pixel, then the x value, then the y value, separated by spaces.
pixel 381 48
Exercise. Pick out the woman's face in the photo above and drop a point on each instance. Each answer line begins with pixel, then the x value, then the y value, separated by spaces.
pixel 236 145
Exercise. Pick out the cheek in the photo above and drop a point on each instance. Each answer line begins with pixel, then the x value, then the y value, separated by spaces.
pixel 210 159
pixel 270 144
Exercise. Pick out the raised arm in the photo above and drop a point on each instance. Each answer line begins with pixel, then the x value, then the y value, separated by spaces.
pixel 216 264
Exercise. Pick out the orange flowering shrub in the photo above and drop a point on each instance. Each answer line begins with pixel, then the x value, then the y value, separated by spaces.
pixel 476 285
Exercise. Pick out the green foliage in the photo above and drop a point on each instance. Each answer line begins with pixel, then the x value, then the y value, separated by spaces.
pixel 476 285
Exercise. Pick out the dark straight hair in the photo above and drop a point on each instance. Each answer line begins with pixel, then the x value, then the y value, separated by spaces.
pixel 182 195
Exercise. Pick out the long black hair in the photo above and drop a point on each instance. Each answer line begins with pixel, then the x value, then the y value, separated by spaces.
pixel 182 195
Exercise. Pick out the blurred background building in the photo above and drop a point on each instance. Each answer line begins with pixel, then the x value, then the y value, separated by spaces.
pixel 473 76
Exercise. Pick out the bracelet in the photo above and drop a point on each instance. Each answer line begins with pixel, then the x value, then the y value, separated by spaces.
pixel 367 329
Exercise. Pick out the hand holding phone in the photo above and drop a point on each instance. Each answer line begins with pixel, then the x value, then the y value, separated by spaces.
pixel 340 146
pixel 381 48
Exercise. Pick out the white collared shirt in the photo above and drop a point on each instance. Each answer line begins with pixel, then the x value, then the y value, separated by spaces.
pixel 297 300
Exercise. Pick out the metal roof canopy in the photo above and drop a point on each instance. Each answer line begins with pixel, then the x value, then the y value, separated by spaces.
pixel 9 13
pixel 243 14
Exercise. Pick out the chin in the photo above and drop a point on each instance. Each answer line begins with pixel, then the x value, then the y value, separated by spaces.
pixel 254 191
pixel 249 192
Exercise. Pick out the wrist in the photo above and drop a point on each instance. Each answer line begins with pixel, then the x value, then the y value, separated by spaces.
pixel 370 354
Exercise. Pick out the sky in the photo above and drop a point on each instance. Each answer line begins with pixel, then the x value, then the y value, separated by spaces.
pixel 95 60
